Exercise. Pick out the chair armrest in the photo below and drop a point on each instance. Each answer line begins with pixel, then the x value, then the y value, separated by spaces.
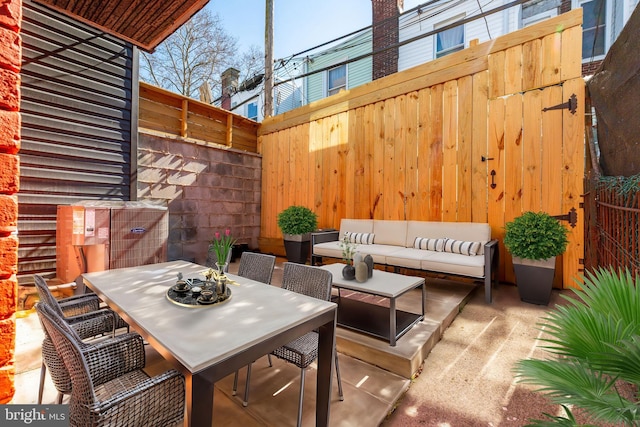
pixel 114 357
pixel 159 400
pixel 79 304
pixel 324 236
pixel 491 262
pixel 491 256
pixel 97 322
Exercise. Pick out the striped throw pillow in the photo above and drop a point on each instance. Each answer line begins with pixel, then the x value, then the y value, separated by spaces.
pixel 462 247
pixel 429 244
pixel 360 238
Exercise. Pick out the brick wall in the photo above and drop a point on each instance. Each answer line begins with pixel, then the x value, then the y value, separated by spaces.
pixel 589 68
pixel 10 59
pixel 208 188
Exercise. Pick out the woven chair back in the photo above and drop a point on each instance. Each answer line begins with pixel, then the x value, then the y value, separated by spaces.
pixel 258 267
pixel 307 280
pixel 68 348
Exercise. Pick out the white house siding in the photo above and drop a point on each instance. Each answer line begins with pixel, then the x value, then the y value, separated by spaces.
pixel 287 96
pixel 414 24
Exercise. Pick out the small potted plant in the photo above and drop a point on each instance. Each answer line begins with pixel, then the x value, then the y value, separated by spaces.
pixel 348 251
pixel 220 249
pixel 534 239
pixel 297 223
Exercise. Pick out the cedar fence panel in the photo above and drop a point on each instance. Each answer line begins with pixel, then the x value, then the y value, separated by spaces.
pixel 170 114
pixel 461 138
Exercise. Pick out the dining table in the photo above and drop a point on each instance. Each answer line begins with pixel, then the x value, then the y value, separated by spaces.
pixel 207 342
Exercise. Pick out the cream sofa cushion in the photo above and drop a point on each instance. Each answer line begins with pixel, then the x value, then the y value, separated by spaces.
pixel 409 258
pixel 329 249
pixel 446 262
pixel 390 232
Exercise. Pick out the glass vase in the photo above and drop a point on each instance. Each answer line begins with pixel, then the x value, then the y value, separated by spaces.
pixel 222 267
pixel 221 282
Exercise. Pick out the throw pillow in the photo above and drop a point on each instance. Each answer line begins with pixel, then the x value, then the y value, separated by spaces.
pixel 462 247
pixel 429 244
pixel 360 238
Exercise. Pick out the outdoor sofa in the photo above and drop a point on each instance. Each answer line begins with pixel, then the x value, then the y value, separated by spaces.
pixel 451 248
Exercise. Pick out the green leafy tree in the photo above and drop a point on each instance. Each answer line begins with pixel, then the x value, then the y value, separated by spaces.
pixel 595 347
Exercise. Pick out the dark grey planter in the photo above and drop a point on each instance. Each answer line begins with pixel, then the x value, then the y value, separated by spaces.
pixel 534 279
pixel 297 247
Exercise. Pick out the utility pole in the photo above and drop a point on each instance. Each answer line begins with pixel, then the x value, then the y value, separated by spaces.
pixel 268 60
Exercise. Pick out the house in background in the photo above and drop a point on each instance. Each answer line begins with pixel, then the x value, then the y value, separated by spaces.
pixel 424 33
pixel 330 72
pixel 247 98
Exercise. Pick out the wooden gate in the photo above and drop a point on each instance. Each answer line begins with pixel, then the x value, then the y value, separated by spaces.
pixel 471 136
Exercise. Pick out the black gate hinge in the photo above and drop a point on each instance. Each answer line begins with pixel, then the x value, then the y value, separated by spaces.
pixel 571 105
pixel 572 217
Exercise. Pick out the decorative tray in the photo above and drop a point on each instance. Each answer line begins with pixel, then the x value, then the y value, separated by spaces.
pixel 188 298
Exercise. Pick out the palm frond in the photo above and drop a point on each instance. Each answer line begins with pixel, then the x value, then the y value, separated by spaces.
pixel 595 342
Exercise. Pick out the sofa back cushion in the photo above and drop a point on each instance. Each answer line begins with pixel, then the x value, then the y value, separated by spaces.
pixel 466 231
pixel 390 232
pixel 355 226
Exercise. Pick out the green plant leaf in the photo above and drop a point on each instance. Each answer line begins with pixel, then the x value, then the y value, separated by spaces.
pixel 536 236
pixel 297 220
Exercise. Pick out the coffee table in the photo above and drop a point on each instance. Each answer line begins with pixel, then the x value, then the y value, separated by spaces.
pixel 375 320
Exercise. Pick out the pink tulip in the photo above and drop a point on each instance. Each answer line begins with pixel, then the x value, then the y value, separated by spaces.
pixel 217 235
pixel 227 232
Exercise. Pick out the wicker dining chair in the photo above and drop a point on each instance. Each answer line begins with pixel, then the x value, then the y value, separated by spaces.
pixel 314 282
pixel 109 385
pixel 84 315
pixel 258 267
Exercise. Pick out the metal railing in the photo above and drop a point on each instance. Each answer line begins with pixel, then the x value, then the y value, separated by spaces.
pixel 617 225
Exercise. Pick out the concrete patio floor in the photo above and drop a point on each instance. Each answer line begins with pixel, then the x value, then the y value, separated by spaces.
pixel 375 396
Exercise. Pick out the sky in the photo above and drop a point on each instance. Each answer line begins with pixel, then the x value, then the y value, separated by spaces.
pixel 298 24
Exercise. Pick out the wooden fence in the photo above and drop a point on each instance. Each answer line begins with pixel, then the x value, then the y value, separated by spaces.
pixel 468 137
pixel 175 115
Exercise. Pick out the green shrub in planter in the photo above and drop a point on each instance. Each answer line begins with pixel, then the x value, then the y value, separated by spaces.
pixel 536 236
pixel 297 220
pixel 535 240
pixel 296 224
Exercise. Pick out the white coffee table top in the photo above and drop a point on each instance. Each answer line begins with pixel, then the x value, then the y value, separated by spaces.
pixel 383 283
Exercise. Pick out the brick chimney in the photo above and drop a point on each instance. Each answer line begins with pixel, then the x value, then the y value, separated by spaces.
pixel 385 34
pixel 10 123
pixel 229 86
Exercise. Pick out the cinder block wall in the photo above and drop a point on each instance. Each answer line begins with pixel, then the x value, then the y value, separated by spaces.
pixel 208 188
pixel 10 59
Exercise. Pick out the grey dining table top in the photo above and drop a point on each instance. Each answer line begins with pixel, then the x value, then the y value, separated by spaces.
pixel 199 337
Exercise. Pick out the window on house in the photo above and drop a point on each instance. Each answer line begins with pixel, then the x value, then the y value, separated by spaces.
pixel 539 17
pixel 252 111
pixel 449 41
pixel 336 79
pixel 594 14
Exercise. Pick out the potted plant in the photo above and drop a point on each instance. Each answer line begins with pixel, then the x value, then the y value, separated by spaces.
pixel 534 239
pixel 296 224
pixel 220 249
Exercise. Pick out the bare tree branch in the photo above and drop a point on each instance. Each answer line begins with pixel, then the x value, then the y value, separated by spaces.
pixel 196 53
